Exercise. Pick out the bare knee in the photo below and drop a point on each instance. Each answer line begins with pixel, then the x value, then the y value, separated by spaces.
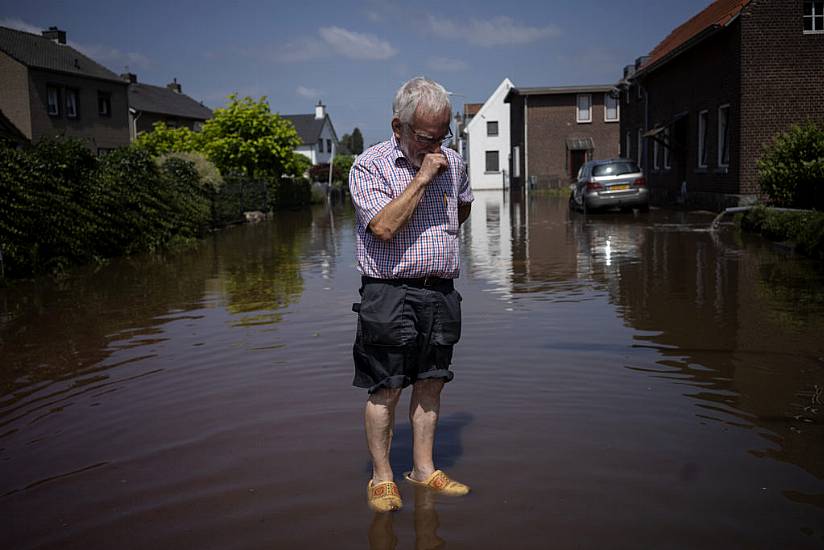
pixel 387 397
pixel 428 388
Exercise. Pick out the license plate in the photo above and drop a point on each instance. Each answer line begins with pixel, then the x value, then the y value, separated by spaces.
pixel 619 187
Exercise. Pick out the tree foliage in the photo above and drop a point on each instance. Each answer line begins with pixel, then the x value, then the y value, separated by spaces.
pixel 791 172
pixel 246 137
pixel 352 144
pixel 164 139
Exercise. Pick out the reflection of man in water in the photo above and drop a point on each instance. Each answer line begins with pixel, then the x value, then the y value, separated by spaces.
pixel 411 194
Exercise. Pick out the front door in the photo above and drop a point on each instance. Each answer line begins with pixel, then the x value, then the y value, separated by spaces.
pixel 577 159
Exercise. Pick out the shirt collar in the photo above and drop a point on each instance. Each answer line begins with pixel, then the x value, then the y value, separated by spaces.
pixel 396 154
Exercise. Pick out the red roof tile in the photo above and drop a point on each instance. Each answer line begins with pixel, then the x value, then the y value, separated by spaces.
pixel 472 109
pixel 718 13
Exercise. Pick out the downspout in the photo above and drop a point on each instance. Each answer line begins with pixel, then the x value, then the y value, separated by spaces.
pixel 526 144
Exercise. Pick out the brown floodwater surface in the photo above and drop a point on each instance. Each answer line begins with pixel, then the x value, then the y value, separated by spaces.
pixel 623 381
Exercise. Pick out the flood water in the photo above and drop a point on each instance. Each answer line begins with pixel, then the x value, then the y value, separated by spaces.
pixel 623 381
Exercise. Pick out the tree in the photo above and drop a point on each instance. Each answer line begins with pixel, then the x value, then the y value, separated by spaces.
pixel 345 145
pixel 164 139
pixel 246 137
pixel 357 142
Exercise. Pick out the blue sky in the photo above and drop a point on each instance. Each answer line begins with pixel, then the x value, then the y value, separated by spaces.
pixel 354 54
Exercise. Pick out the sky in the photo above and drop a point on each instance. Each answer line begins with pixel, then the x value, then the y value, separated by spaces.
pixel 353 55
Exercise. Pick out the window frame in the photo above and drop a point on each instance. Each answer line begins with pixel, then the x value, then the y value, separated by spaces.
pixel 607 98
pixel 656 151
pixel 813 17
pixel 497 158
pixel 328 145
pixel 578 118
pixel 320 146
pixel 667 150
pixel 703 127
pixel 497 128
pixel 57 112
pixel 640 145
pixel 628 144
pixel 724 140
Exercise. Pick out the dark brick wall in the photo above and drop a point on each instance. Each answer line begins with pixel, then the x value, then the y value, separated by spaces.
pixel 14 93
pixel 99 132
pixel 551 120
pixel 516 137
pixel 782 78
pixel 702 78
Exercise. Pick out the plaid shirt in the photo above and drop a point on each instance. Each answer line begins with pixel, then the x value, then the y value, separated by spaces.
pixel 428 244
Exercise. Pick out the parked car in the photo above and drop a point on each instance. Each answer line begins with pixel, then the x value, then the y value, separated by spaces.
pixel 612 183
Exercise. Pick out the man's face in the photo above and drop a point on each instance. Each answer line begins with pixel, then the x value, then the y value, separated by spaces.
pixel 424 135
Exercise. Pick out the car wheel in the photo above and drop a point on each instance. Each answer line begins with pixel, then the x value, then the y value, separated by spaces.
pixel 572 201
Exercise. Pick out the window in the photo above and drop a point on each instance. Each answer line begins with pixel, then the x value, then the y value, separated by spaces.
pixel 724 136
pixel 53 95
pixel 610 108
pixel 628 145
pixel 640 144
pixel 584 108
pixel 492 128
pixel 492 161
pixel 104 104
pixel 516 161
pixel 320 145
pixel 814 17
pixel 627 91
pixel 667 149
pixel 638 90
pixel 71 103
pixel 328 145
pixel 703 116
pixel 655 152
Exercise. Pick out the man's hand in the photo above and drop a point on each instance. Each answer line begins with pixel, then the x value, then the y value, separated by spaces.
pixel 432 165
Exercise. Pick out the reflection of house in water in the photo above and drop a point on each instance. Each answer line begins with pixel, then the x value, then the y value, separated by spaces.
pixel 724 330
pixel 488 239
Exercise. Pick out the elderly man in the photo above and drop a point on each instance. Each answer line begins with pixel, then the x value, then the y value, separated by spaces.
pixel 411 194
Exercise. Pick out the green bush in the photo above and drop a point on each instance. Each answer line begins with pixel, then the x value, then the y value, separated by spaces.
pixel 791 172
pixel 804 229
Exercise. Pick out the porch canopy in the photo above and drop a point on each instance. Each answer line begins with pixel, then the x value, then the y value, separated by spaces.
pixel 580 144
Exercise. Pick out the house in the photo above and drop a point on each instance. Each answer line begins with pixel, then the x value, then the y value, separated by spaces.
pixel 699 109
pixel 317 135
pixel 149 104
pixel 48 88
pixel 555 130
pixel 487 141
pixel 9 133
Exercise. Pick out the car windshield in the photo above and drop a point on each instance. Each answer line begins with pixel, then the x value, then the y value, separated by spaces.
pixel 615 169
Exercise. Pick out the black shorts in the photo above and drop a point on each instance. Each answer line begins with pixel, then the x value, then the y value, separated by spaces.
pixel 405 332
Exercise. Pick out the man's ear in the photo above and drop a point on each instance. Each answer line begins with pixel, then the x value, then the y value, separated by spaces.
pixel 397 126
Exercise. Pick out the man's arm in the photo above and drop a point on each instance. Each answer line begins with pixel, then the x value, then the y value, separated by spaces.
pixel 394 215
pixel 463 212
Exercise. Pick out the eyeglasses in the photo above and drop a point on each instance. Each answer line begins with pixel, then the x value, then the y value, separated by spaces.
pixel 430 141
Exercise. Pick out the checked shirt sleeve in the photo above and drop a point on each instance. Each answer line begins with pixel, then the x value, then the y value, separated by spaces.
pixel 464 190
pixel 370 191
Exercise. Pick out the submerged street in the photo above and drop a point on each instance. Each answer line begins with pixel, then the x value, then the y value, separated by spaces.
pixel 623 380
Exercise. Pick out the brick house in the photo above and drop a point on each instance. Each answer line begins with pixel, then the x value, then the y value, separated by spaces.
pixel 149 104
pixel 553 131
pixel 698 110
pixel 48 88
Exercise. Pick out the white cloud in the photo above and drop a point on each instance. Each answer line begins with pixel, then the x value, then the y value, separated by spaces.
pixel 356 45
pixel 447 64
pixel 497 31
pixel 309 93
pixel 20 25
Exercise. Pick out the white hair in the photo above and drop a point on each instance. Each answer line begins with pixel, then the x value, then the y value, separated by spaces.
pixel 419 92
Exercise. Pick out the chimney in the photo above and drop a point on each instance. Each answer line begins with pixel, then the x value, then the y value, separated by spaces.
pixel 174 86
pixel 55 34
pixel 629 70
pixel 131 77
pixel 320 110
pixel 640 61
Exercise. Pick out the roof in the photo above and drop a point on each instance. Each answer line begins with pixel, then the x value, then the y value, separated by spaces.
pixel 162 100
pixel 43 53
pixel 501 92
pixel 558 90
pixel 308 127
pixel 716 16
pixel 471 109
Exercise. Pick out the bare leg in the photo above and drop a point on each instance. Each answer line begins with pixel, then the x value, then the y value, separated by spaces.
pixel 423 414
pixel 379 420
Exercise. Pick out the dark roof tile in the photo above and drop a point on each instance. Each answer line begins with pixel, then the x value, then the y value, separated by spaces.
pixel 161 100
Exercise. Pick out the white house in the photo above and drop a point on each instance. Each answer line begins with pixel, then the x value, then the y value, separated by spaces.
pixel 317 134
pixel 487 136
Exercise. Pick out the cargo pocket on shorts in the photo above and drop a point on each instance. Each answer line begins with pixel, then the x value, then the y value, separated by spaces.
pixel 447 329
pixel 382 317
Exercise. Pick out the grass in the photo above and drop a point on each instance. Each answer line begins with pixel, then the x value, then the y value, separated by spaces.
pixel 804 229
